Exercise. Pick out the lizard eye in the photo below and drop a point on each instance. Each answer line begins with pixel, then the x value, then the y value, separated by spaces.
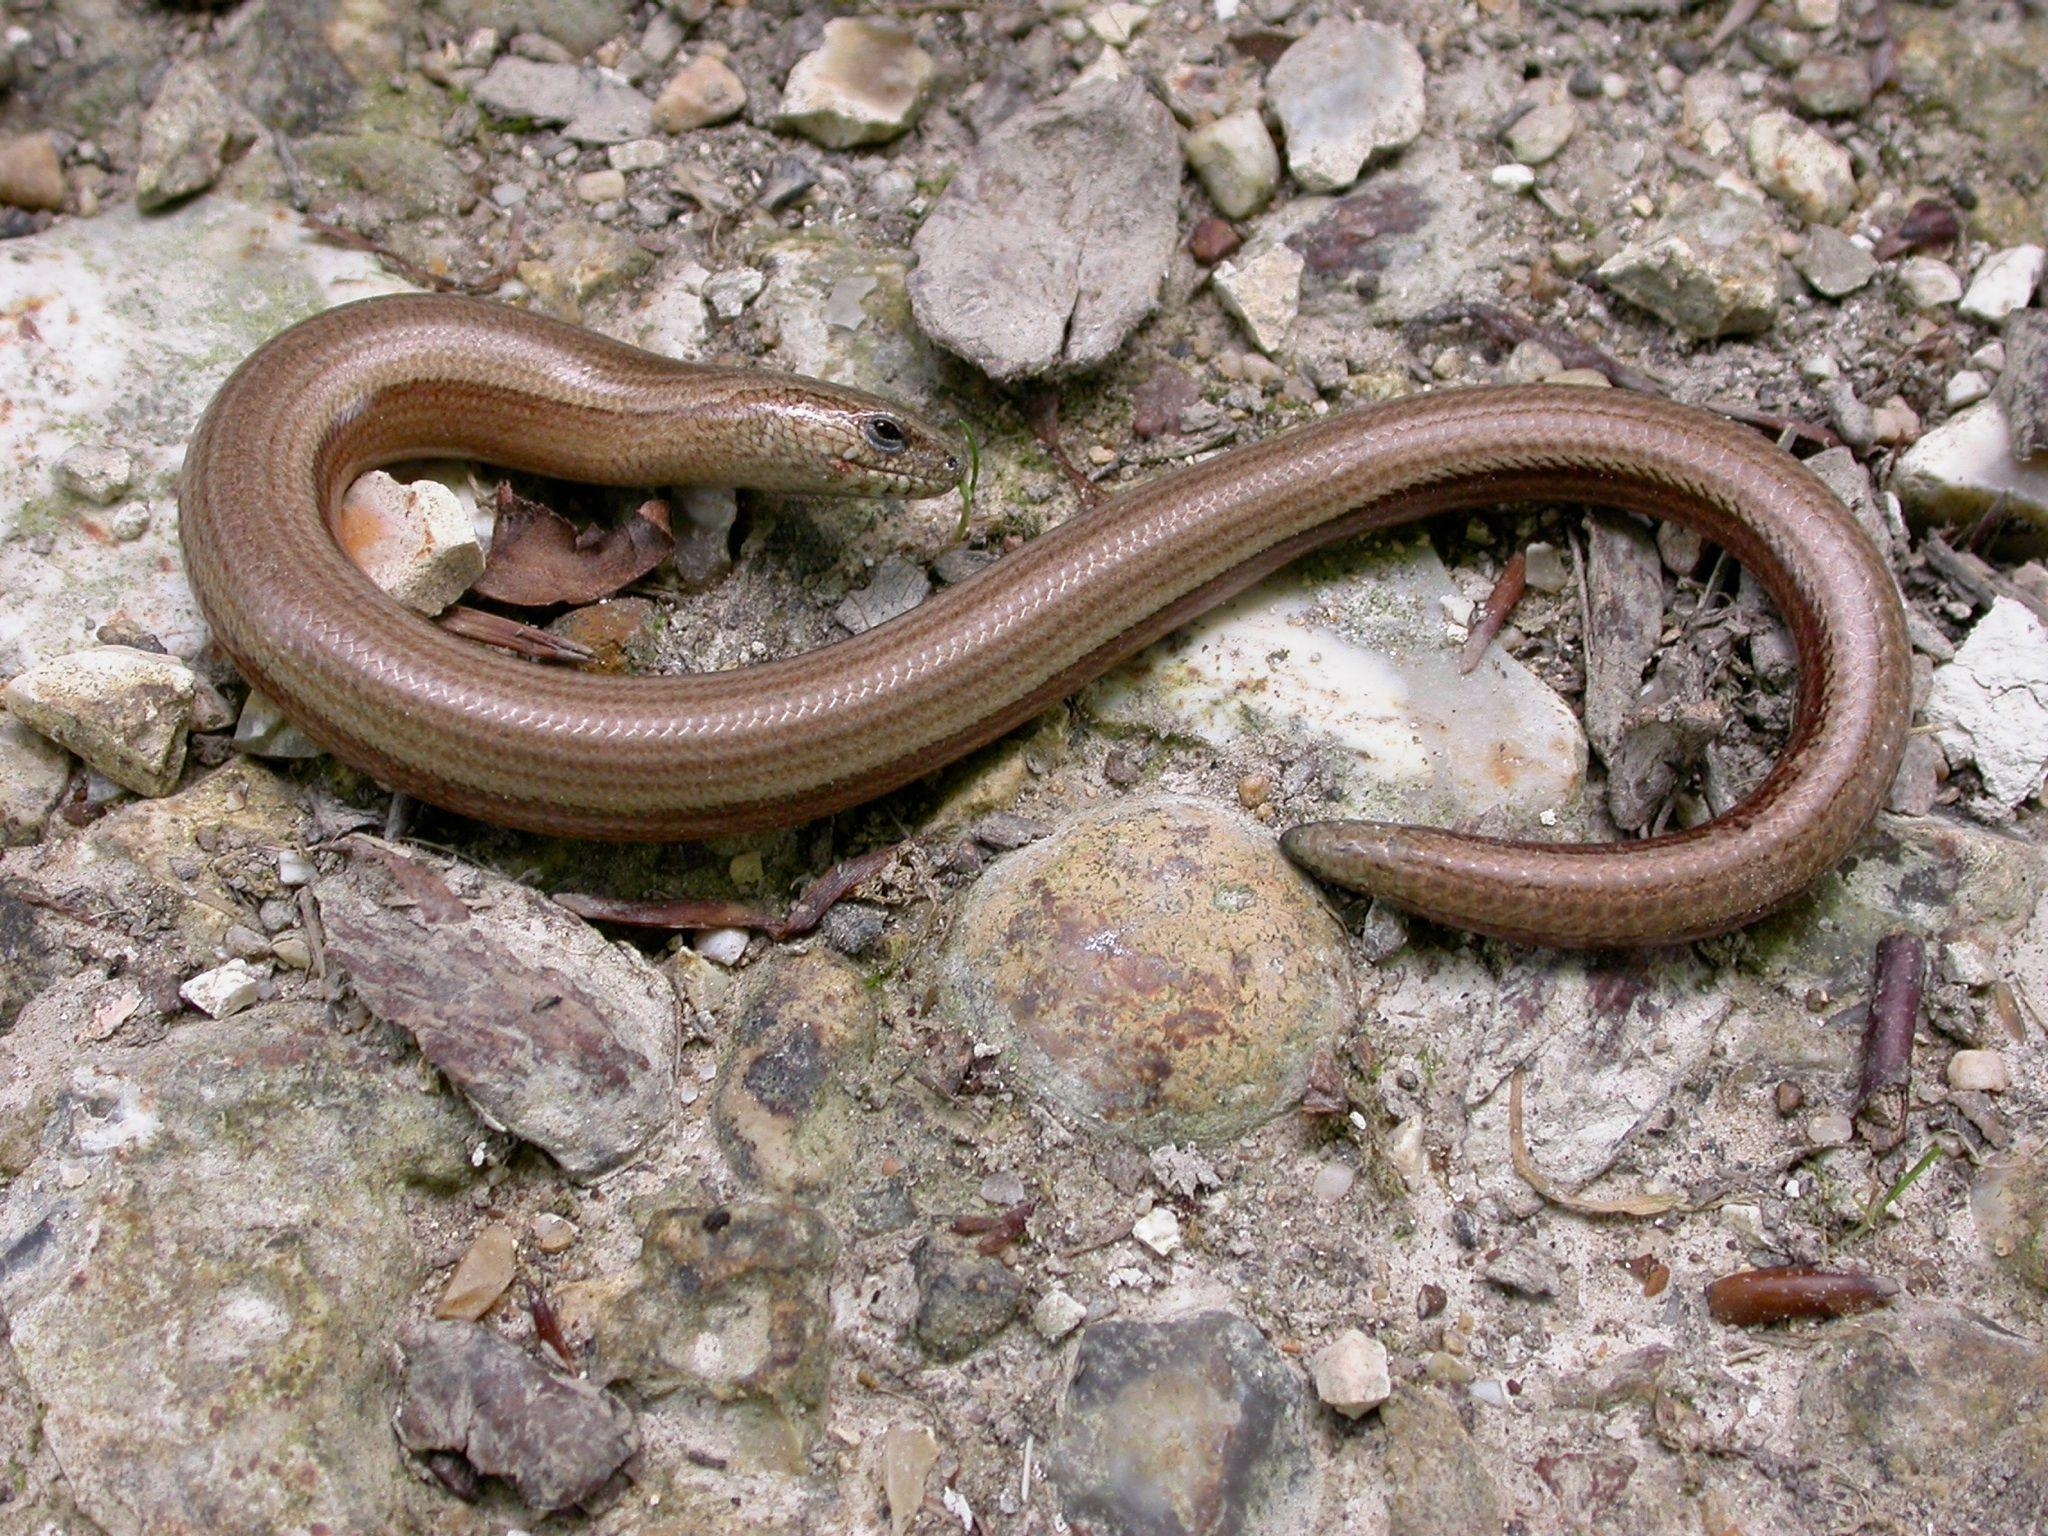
pixel 884 435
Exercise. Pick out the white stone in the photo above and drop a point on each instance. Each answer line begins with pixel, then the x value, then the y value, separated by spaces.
pixel 637 155
pixel 605 186
pixel 722 946
pixel 1959 470
pixel 863 85
pixel 1262 293
pixel 1802 167
pixel 1979 1072
pixel 413 540
pixel 224 990
pixel 1990 704
pixel 2003 283
pixel 101 475
pixel 1343 93
pixel 1512 178
pixel 124 711
pixel 1539 133
pixel 1159 1230
pixel 262 731
pixel 1350 668
pixel 1965 388
pixel 731 291
pixel 1351 1374
pixel 1237 161
pixel 1056 1315
pixel 1117 24
pixel 1926 283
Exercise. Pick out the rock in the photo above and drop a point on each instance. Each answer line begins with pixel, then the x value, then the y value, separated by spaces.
pixel 101 475
pixel 124 711
pixel 1802 168
pixel 1925 283
pixel 1979 1072
pixel 1178 1033
pixel 1349 665
pixel 481 1276
pixel 963 1298
pixel 33 773
pixel 1057 1314
pixel 779 1109
pixel 909 1452
pixel 288 1155
pixel 1546 568
pixel 1351 1374
pixel 1832 85
pixel 1512 178
pixel 731 291
pixel 2022 389
pixel 555 1034
pixel 1345 92
pixel 605 186
pixel 591 106
pixel 31 172
pixel 2004 281
pixel 1965 466
pixel 552 1233
pixel 1927 1408
pixel 728 1301
pixel 1541 132
pixel 1436 1474
pixel 1833 264
pixel 1262 293
pixel 1711 269
pixel 414 540
pixel 1525 1269
pixel 261 730
pixel 1159 1230
pixel 2009 1207
pixel 1989 705
pixel 1192 1425
pixel 224 990
pixel 190 134
pixel 1049 245
pixel 1211 240
pixel 1966 387
pixel 557 1440
pixel 864 85
pixel 704 91
pixel 1237 162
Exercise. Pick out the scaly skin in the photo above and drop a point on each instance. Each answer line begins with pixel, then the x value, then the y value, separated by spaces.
pixel 778 743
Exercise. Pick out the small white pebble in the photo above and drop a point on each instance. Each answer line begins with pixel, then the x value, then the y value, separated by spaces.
pixel 224 990
pixel 1512 178
pixel 721 946
pixel 1351 1374
pixel 1979 1072
pixel 294 868
pixel 1966 388
pixel 1159 1230
pixel 1056 1315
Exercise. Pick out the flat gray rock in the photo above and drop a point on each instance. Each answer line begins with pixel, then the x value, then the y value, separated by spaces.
pixel 1049 246
pixel 1344 93
pixel 593 107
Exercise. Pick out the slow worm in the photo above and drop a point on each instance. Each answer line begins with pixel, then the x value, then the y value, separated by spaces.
pixel 683 757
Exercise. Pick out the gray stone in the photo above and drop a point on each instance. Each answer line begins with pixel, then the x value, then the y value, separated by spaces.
pixel 1049 246
pixel 1539 134
pixel 1989 705
pixel 1802 168
pixel 1832 85
pixel 1437 1474
pixel 33 773
pixel 100 474
pixel 591 106
pixel 1176 1034
pixel 1344 93
pixel 189 135
pixel 2003 282
pixel 865 84
pixel 1924 282
pixel 209 1251
pixel 1710 269
pixel 2009 1208
pixel 897 586
pixel 1833 264
pixel 126 712
pixel 1237 162
pixel 1262 293
pixel 1193 1425
pixel 2022 389
pixel 964 1298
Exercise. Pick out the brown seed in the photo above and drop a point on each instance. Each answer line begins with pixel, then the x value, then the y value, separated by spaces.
pixel 1756 1297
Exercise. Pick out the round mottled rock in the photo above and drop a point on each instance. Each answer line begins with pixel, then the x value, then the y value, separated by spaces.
pixel 1157 967
pixel 1191 1427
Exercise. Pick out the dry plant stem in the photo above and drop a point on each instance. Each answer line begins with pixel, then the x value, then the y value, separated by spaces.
pixel 1894 1013
pixel 787 741
pixel 1526 1169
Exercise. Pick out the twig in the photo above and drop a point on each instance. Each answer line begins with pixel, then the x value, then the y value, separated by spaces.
pixel 413 272
pixel 505 634
pixel 1894 1011
pixel 1500 602
pixel 1740 15
pixel 1640 1204
pixel 694 914
pixel 1506 329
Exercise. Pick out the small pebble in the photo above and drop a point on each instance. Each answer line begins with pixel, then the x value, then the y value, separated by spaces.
pixel 1830 1130
pixel 483 1274
pixel 1925 283
pixel 552 1233
pixel 1351 1374
pixel 1333 1181
pixel 1512 178
pixel 101 475
pixel 1979 1072
pixel 721 946
pixel 1159 1230
pixel 1965 388
pixel 2003 283
pixel 606 186
pixel 1056 1315
pixel 224 990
